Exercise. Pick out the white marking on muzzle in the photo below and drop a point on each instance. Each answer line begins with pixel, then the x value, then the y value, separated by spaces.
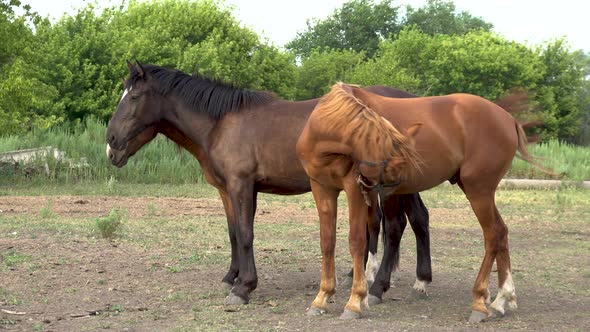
pixel 108 150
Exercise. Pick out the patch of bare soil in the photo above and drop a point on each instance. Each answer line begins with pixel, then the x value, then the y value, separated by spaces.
pixel 84 284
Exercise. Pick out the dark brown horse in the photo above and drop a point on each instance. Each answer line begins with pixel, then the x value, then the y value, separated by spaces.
pixel 245 143
pixel 356 140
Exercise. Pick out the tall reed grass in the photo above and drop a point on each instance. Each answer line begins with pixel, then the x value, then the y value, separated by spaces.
pixel 568 161
pixel 162 162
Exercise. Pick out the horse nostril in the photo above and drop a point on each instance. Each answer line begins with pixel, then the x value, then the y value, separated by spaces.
pixel 111 138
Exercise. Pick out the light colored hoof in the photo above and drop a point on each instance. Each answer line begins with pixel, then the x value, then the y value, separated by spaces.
pixel 374 300
pixel 512 305
pixel 313 311
pixel 477 316
pixel 496 314
pixel 346 282
pixel 226 285
pixel 498 310
pixel 349 314
pixel 233 299
pixel 420 286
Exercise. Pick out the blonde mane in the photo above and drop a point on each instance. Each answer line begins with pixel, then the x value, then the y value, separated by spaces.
pixel 372 137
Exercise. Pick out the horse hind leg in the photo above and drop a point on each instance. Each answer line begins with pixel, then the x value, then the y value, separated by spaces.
pixel 506 293
pixel 496 247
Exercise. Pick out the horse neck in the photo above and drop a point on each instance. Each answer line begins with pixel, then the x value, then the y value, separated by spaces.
pixel 188 128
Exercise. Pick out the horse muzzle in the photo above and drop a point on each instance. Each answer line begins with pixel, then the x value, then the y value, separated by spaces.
pixel 117 157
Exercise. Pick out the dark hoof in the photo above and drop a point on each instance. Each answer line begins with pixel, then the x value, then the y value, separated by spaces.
pixel 477 316
pixel 349 314
pixel 374 300
pixel 313 311
pixel 233 299
pixel 346 282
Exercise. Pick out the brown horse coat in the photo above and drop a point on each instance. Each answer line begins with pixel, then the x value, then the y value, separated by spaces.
pixel 355 139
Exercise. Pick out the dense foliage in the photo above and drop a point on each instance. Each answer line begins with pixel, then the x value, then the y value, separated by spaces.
pixel 59 73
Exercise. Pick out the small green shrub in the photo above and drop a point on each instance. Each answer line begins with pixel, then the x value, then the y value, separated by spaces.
pixel 108 226
pixel 46 212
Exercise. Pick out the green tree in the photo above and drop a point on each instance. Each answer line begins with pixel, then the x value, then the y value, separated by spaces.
pixel 480 63
pixel 441 17
pixel 401 62
pixel 357 26
pixel 26 101
pixel 321 69
pixel 561 90
pixel 583 137
pixel 84 55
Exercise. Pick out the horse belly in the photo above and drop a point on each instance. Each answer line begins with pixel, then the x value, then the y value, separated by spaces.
pixel 283 186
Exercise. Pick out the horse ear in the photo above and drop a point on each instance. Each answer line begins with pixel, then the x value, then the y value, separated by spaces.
pixel 129 65
pixel 413 130
pixel 139 68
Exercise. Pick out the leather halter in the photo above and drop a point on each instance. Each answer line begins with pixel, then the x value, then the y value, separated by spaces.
pixel 379 186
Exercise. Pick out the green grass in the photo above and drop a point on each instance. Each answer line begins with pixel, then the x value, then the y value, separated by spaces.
pixel 162 162
pixel 571 161
pixel 12 258
pixel 159 162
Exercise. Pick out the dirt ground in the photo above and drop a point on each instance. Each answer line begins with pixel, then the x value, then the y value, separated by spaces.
pixel 164 272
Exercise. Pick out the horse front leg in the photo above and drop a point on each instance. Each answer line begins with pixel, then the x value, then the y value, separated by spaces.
pixel 357 240
pixel 393 229
pixel 371 261
pixel 232 274
pixel 243 200
pixel 326 203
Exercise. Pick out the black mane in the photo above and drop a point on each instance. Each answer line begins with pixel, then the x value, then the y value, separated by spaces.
pixel 205 95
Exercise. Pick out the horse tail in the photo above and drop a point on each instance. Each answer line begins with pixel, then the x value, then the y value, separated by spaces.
pixel 523 152
pixel 519 101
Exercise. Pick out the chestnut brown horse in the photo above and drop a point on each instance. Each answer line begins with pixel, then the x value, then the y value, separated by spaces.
pixel 355 140
pixel 245 143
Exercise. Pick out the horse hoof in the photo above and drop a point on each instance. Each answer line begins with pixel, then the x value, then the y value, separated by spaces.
pixel 374 300
pixel 313 311
pixel 512 305
pixel 226 285
pixel 496 314
pixel 349 314
pixel 477 316
pixel 233 299
pixel 346 282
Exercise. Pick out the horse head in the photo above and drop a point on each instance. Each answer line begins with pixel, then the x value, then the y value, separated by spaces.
pixel 388 173
pixel 135 122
